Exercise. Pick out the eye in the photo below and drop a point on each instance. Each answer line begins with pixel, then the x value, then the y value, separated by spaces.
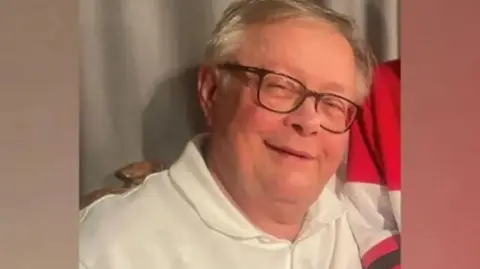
pixel 280 86
pixel 334 103
pixel 275 82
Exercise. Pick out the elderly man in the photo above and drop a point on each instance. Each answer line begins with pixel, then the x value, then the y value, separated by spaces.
pixel 280 87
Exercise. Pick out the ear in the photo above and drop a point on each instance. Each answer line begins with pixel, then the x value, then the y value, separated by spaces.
pixel 207 89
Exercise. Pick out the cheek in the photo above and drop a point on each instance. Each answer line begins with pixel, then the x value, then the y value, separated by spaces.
pixel 248 129
pixel 254 121
pixel 333 147
pixel 262 121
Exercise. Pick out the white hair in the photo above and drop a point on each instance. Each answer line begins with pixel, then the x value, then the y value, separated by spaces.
pixel 228 33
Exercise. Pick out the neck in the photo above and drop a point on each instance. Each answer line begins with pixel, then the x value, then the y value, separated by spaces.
pixel 282 220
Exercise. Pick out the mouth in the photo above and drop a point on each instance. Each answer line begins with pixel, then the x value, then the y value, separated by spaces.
pixel 290 152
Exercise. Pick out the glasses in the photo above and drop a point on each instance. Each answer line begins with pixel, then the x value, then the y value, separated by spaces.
pixel 280 93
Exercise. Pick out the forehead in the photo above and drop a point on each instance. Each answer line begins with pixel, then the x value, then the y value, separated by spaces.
pixel 309 50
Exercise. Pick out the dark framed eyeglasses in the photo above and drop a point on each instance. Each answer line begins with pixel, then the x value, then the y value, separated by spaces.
pixel 284 94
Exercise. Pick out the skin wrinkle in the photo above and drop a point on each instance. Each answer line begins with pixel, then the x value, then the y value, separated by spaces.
pixel 275 192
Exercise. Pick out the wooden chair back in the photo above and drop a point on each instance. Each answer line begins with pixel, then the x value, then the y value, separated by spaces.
pixel 131 175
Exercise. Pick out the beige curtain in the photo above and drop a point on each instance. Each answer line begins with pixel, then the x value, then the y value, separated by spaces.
pixel 139 69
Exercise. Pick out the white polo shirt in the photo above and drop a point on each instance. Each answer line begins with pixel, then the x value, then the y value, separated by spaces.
pixel 180 219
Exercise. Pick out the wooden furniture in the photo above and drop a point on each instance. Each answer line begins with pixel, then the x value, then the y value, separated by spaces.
pixel 131 175
pixel 135 173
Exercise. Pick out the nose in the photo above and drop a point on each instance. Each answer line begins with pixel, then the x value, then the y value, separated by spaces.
pixel 305 119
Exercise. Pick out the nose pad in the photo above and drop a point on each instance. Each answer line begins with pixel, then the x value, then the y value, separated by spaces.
pixel 305 119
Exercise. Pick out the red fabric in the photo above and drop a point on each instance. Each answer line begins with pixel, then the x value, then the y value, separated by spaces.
pixel 374 157
pixel 381 249
pixel 378 129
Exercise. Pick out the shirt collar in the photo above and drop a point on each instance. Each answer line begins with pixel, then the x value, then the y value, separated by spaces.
pixel 194 180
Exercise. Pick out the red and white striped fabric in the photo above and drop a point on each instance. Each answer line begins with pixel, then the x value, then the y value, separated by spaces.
pixel 373 180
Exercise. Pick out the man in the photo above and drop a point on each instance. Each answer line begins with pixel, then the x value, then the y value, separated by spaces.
pixel 280 86
pixel 373 171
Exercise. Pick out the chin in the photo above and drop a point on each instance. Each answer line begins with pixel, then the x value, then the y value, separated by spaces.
pixel 297 185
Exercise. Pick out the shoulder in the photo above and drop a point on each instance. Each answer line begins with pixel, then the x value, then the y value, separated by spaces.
pixel 121 204
pixel 346 247
pixel 117 220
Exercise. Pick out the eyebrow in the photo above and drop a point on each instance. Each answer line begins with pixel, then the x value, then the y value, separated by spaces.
pixel 333 86
pixel 329 87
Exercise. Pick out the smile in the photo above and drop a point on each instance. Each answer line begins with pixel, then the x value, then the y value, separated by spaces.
pixel 290 151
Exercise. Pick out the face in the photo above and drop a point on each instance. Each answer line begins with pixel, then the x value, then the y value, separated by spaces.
pixel 255 151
